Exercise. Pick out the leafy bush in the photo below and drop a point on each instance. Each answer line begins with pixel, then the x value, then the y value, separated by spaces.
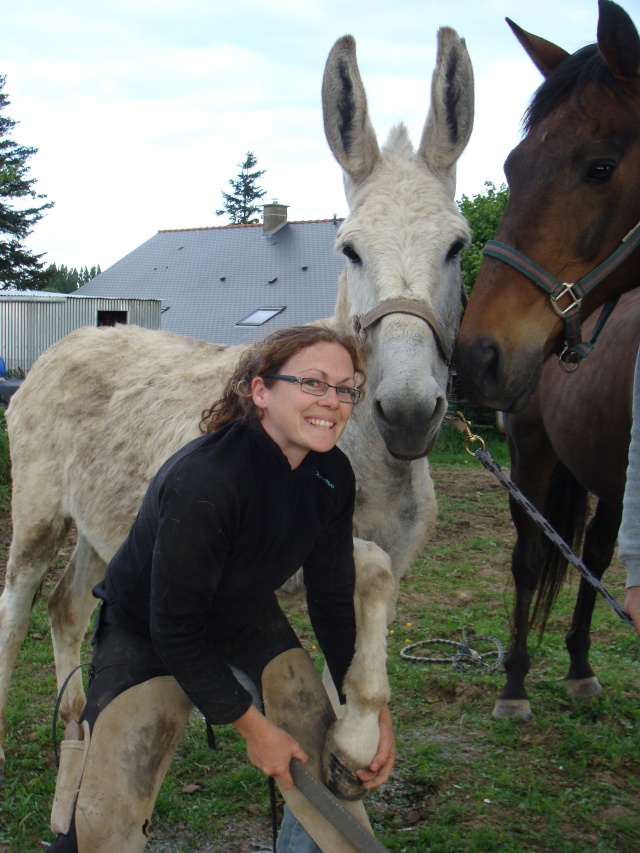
pixel 483 213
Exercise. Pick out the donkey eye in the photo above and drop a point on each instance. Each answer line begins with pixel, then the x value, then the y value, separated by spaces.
pixel 455 250
pixel 350 253
pixel 600 172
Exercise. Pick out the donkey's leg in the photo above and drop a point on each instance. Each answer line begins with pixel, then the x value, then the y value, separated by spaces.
pixel 352 742
pixel 599 544
pixel 70 607
pixel 33 547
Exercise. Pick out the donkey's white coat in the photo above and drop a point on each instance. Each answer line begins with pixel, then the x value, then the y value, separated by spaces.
pixel 103 408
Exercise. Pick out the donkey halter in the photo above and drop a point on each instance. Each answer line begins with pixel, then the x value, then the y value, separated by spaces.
pixel 362 322
pixel 573 293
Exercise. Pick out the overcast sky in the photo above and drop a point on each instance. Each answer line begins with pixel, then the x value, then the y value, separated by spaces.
pixel 143 109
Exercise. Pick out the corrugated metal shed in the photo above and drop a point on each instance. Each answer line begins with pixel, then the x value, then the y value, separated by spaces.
pixel 31 322
pixel 209 279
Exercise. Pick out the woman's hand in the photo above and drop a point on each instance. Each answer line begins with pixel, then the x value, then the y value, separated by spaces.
pixel 380 768
pixel 269 748
pixel 632 606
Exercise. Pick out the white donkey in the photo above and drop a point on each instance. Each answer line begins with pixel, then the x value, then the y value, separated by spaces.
pixel 126 398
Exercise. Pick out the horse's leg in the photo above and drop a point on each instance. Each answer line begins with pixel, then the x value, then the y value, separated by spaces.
pixel 352 742
pixel 70 608
pixel 526 560
pixel 599 544
pixel 33 547
pixel 532 463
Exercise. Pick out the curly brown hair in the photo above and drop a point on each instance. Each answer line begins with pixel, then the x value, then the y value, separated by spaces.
pixel 266 357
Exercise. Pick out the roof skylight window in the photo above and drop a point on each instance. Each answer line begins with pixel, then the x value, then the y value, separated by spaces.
pixel 260 316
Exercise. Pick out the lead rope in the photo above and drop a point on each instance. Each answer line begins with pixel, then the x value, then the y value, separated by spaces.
pixel 465 658
pixel 462 425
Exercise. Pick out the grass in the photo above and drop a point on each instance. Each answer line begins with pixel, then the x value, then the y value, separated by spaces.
pixel 566 781
pixel 450 446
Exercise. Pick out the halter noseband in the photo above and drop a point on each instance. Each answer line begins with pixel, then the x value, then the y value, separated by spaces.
pixel 361 322
pixel 575 349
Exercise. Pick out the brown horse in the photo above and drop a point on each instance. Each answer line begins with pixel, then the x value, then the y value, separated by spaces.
pixel 570 439
pixel 574 196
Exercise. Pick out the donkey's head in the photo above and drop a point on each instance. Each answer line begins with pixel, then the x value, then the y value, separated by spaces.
pixel 402 240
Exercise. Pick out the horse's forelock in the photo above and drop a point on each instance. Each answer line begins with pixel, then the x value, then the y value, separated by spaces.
pixel 570 78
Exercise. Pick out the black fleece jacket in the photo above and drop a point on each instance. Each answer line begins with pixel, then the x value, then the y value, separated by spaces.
pixel 225 522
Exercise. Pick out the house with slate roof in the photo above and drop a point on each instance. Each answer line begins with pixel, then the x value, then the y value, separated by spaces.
pixel 232 284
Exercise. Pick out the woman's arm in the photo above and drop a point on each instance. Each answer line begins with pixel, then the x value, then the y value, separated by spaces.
pixel 632 606
pixel 269 748
pixel 629 533
pixel 196 529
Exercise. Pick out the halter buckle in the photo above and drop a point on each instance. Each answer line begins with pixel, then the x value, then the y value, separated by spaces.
pixel 569 361
pixel 574 301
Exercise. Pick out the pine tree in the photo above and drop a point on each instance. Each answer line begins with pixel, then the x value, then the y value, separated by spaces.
pixel 62 279
pixel 240 205
pixel 19 267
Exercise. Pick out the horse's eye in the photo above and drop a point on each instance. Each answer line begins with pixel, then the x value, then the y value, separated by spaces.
pixel 455 250
pixel 350 253
pixel 600 172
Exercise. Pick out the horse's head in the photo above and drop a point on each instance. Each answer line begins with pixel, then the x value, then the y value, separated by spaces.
pixel 402 241
pixel 574 195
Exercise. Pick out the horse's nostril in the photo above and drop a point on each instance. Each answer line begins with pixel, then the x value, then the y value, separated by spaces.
pixel 480 367
pixel 486 361
pixel 489 360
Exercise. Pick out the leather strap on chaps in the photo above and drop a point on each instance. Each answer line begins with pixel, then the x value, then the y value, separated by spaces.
pixel 132 744
pixel 73 755
pixel 296 701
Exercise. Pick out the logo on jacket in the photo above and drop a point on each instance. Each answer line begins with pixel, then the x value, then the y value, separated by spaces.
pixel 324 480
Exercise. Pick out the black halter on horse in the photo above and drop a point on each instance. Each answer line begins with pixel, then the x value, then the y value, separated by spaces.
pixel 575 349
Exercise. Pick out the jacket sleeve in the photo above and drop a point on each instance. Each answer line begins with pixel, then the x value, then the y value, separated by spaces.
pixel 195 531
pixel 329 575
pixel 629 534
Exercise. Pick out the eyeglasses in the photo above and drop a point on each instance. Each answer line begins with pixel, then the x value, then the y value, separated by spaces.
pixel 318 388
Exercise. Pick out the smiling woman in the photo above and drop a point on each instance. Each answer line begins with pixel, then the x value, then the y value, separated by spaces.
pixel 189 614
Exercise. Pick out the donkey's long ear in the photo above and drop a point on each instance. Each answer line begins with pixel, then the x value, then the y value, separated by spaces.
pixel 450 120
pixel 618 41
pixel 544 54
pixel 346 118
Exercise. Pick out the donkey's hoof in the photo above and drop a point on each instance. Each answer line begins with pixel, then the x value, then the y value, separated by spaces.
pixel 583 688
pixel 339 779
pixel 514 709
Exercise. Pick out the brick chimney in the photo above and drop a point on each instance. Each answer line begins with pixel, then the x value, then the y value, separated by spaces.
pixel 274 216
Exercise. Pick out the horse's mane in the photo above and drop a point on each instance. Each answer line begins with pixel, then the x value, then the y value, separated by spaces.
pixel 570 78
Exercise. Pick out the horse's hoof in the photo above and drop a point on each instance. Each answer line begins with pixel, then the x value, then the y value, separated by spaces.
pixel 583 688
pixel 512 709
pixel 339 779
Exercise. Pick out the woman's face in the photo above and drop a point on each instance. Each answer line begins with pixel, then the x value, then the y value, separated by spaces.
pixel 299 422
